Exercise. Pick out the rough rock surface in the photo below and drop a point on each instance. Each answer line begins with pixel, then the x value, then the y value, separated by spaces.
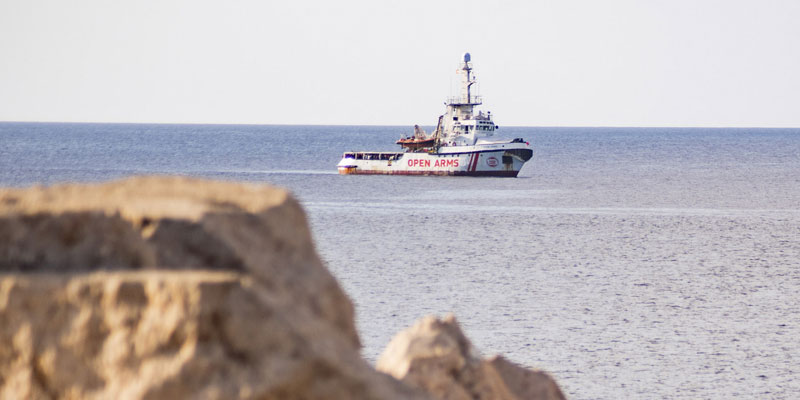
pixel 173 223
pixel 434 355
pixel 167 287
pixel 169 335
pixel 172 288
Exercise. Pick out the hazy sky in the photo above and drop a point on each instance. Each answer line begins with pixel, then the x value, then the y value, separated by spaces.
pixel 539 63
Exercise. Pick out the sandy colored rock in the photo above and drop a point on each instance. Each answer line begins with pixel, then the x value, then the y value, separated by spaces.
pixel 434 355
pixel 173 223
pixel 169 287
pixel 169 335
pixel 166 287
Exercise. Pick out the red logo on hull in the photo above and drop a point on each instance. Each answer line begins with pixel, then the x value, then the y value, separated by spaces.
pixel 492 162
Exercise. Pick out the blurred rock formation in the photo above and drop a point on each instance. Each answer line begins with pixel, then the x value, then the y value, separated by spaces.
pixel 434 355
pixel 168 287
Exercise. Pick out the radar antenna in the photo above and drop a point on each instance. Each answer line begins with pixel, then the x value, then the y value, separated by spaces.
pixel 470 80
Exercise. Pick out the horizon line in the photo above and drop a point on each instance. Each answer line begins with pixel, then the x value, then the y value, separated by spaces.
pixel 410 125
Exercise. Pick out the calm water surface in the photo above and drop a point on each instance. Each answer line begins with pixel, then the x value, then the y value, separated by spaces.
pixel 630 263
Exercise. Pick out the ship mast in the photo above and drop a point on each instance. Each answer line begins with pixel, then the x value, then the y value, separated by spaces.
pixel 463 104
pixel 469 81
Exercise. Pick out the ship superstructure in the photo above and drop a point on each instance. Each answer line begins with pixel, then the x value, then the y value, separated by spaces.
pixel 459 145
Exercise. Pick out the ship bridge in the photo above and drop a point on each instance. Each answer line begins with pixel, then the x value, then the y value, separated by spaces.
pixel 462 125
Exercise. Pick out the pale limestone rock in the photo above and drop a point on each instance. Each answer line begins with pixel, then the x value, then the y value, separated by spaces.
pixel 165 288
pixel 169 335
pixel 173 223
pixel 434 355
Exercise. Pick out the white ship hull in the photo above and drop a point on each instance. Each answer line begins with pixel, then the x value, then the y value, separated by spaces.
pixel 500 160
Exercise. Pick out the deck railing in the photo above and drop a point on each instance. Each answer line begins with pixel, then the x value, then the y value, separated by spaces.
pixel 475 100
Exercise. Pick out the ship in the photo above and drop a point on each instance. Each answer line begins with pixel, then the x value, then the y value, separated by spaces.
pixel 462 143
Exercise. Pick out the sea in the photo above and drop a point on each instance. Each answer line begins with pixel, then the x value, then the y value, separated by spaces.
pixel 652 263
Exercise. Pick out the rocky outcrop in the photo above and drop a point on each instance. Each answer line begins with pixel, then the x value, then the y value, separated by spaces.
pixel 167 287
pixel 172 288
pixel 434 355
pixel 173 223
pixel 170 335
